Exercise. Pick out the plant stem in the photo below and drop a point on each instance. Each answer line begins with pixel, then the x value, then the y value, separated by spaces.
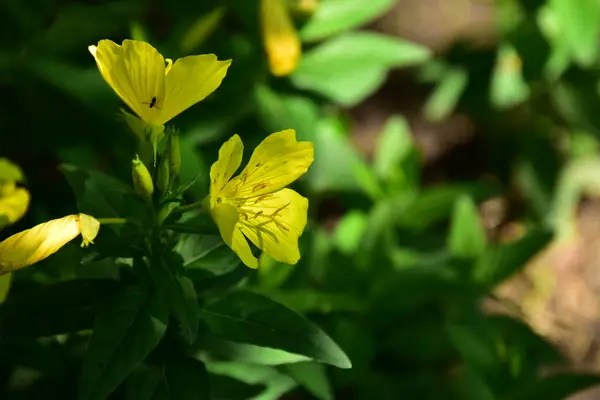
pixel 107 221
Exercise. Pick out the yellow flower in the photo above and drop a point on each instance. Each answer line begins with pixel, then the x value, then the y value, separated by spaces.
pixel 35 244
pixel 255 204
pixel 156 89
pixel 280 37
pixel 14 200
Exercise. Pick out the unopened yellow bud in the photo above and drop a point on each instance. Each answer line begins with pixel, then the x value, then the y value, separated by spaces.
pixel 36 244
pixel 142 180
pixel 280 37
pixel 174 154
pixel 163 178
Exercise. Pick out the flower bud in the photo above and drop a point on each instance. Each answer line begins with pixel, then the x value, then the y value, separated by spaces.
pixel 174 154
pixel 142 180
pixel 36 244
pixel 163 178
pixel 280 37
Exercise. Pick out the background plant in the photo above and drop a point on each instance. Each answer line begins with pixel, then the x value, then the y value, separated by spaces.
pixel 397 282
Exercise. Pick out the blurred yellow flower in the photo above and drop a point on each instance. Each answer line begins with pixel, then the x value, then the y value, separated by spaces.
pixel 280 37
pixel 156 89
pixel 35 244
pixel 14 200
pixel 255 204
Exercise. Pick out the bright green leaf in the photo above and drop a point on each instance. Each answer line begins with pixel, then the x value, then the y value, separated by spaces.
pixel 446 95
pixel 246 317
pixel 394 144
pixel 216 348
pixel 279 111
pixel 349 231
pixel 508 87
pixel 467 236
pixel 580 27
pixel 348 77
pixel 499 263
pixel 335 16
pixel 313 377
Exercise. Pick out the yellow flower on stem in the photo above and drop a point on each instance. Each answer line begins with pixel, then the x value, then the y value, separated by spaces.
pixel 280 37
pixel 153 87
pixel 35 244
pixel 254 204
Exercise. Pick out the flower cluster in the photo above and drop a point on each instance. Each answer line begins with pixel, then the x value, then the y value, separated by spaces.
pixel 254 205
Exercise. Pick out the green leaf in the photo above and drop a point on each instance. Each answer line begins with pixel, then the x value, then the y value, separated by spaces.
pixel 201 29
pixel 125 332
pixel 394 144
pixel 276 382
pixel 54 309
pixel 143 382
pixel 446 95
pixel 103 196
pixel 193 168
pixel 436 203
pixel 555 387
pixel 335 159
pixel 470 385
pixel 349 231
pixel 179 379
pixel 177 292
pixel 499 263
pixel 312 377
pixel 225 388
pixel 250 318
pixel 467 236
pixel 108 20
pixel 508 88
pixel 279 111
pixel 5 281
pixel 308 300
pixel 335 16
pixel 272 273
pixel 220 349
pixel 348 77
pixel 186 379
pixel 580 27
pixel 473 346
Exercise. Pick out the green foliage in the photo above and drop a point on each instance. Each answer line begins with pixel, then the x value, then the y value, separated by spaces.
pixel 400 251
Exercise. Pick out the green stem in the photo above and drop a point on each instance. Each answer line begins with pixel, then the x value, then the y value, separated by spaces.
pixel 189 207
pixel 107 221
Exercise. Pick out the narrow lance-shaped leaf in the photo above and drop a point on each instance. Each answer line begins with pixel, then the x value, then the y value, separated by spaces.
pixel 246 317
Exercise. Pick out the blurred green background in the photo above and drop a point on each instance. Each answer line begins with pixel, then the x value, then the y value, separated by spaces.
pixel 451 245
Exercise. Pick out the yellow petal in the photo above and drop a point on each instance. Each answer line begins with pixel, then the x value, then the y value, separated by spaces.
pixel 275 163
pixel 274 222
pixel 13 206
pixel 136 72
pixel 89 227
pixel 35 244
pixel 280 37
pixel 226 218
pixel 190 80
pixel 230 158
